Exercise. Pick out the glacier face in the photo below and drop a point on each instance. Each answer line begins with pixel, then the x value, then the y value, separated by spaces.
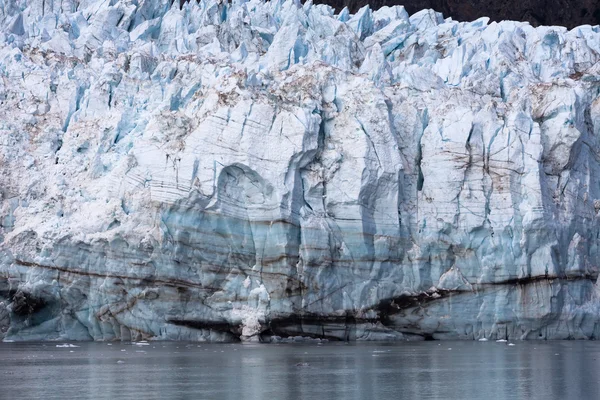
pixel 255 169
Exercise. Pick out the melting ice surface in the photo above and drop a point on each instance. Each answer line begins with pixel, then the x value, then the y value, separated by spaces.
pixel 253 170
pixel 427 370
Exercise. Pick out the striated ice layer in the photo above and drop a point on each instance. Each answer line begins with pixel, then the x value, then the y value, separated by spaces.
pixel 245 170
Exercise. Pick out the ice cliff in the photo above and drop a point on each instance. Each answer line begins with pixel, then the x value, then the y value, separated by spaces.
pixel 245 170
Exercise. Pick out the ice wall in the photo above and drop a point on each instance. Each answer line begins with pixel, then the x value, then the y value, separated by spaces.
pixel 245 170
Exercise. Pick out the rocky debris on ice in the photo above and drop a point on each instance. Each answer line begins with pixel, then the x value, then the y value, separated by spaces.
pixel 252 169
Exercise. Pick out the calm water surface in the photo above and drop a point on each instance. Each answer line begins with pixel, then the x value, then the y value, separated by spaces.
pixel 427 370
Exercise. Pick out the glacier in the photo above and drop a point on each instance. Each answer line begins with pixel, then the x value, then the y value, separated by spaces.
pixel 253 170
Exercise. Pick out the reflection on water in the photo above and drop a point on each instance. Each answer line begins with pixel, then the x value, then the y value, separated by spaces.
pixel 427 370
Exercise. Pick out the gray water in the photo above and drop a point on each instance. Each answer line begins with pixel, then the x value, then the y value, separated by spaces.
pixel 426 370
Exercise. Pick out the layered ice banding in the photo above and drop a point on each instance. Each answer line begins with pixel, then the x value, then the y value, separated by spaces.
pixel 223 171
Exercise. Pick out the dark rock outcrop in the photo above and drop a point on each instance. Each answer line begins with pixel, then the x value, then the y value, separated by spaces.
pixel 537 12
